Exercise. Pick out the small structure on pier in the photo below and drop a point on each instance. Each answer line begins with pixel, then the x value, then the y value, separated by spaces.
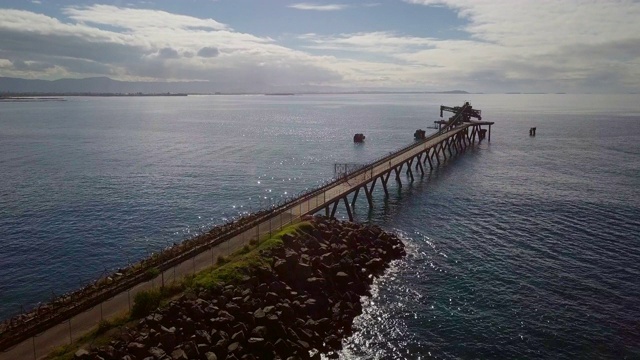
pixel 358 138
pixel 343 169
pixel 463 114
pixel 419 134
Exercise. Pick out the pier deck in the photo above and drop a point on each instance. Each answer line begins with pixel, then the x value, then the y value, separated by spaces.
pixel 33 340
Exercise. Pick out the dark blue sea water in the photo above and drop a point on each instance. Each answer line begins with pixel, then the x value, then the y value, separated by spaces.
pixel 521 248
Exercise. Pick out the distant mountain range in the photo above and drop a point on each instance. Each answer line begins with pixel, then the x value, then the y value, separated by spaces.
pixel 105 85
pixel 100 85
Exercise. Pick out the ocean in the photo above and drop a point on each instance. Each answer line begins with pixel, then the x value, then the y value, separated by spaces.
pixel 525 247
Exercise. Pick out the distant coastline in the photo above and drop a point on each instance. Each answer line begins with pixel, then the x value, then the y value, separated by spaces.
pixel 30 99
pixel 55 95
pixel 48 95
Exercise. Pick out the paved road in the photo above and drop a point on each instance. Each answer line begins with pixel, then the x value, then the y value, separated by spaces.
pixel 41 345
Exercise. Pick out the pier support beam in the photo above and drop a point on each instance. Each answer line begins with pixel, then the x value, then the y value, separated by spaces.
pixel 409 172
pixel 443 149
pixel 346 204
pixel 335 207
pixel 397 170
pixel 368 194
pixel 384 183
pixel 373 183
pixel 419 164
pixel 355 197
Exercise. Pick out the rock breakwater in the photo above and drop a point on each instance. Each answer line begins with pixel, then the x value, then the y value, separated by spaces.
pixel 299 304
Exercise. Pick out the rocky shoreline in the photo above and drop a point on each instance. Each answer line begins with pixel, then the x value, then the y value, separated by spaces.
pixel 301 304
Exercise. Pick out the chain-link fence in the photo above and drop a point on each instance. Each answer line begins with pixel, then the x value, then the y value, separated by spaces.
pixel 112 296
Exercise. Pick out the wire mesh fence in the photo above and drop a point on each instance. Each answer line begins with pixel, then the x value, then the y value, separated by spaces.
pixel 113 293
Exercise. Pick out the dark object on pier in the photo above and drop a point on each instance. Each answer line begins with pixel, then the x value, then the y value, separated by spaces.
pixel 358 138
pixel 419 134
pixel 464 113
pixel 532 131
pixel 482 133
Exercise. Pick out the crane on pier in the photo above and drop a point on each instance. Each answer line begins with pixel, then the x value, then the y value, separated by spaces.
pixel 466 111
pixel 461 115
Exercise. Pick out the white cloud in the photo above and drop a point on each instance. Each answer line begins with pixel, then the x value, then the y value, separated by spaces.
pixel 317 7
pixel 161 46
pixel 140 19
pixel 28 22
pixel 378 42
pixel 510 46
pixel 568 44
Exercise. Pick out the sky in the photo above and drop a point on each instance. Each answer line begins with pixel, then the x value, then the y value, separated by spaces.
pixel 574 46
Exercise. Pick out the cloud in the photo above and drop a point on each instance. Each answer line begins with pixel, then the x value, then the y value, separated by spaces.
pixel 500 46
pixel 378 42
pixel 158 47
pixel 139 19
pixel 316 7
pixel 566 44
pixel 208 52
pixel 168 53
pixel 30 65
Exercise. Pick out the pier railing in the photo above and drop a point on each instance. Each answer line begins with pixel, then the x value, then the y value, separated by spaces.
pixel 245 228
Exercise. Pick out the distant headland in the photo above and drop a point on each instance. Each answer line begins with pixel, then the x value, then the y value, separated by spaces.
pixel 37 96
pixel 104 86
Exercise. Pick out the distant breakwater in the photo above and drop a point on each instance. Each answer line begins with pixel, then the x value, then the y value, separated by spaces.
pixel 301 303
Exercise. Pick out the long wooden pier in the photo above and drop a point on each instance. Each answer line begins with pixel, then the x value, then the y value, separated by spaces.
pixel 454 136
pixel 71 317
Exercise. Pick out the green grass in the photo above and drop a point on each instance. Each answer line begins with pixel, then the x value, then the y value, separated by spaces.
pixel 152 272
pixel 99 336
pixel 243 261
pixel 145 302
pixel 228 270
pixel 232 269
